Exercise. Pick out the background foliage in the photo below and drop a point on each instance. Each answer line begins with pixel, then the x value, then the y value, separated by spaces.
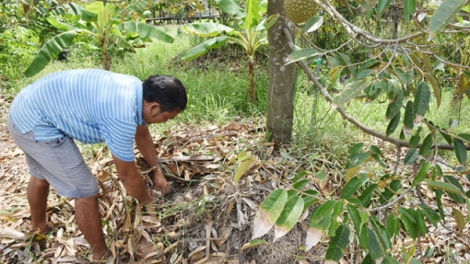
pixel 400 68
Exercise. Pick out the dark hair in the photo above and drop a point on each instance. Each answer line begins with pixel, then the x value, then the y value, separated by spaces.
pixel 166 90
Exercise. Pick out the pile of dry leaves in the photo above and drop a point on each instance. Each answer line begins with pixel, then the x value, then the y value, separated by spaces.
pixel 206 218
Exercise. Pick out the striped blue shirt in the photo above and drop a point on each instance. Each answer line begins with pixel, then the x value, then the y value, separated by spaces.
pixel 89 105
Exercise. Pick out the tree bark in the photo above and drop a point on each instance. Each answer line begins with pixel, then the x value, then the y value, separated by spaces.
pixel 281 78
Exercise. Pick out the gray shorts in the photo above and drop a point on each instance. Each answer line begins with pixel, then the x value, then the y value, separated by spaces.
pixel 57 161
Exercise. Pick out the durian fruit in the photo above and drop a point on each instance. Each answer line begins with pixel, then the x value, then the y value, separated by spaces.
pixel 299 11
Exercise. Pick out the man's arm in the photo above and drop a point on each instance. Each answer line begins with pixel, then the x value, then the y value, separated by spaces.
pixel 144 142
pixel 132 180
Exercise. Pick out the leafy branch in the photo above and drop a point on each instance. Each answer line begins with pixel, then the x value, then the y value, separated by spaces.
pixel 352 120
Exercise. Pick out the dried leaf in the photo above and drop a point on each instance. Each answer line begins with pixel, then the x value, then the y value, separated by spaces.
pixel 314 236
pixel 11 233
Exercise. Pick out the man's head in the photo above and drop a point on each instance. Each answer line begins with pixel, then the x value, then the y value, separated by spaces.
pixel 164 98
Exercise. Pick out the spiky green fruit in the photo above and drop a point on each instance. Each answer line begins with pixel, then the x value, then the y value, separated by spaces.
pixel 299 11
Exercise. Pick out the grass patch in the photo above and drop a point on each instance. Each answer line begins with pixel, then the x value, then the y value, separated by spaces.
pixel 217 87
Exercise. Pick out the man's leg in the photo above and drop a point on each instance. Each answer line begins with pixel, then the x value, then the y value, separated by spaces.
pixel 89 222
pixel 38 190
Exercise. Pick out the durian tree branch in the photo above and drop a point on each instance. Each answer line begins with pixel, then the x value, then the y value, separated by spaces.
pixel 397 142
pixel 326 5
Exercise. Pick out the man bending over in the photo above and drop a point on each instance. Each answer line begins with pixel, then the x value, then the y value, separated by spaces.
pixel 90 106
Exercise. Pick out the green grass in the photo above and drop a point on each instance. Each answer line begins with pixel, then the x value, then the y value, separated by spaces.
pixel 218 94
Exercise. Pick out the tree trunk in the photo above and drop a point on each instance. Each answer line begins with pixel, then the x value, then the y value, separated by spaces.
pixel 281 78
pixel 251 76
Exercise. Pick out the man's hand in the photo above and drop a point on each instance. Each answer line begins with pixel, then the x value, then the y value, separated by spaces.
pixel 160 181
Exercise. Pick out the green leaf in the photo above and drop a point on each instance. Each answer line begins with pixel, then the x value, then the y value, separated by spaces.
pixel 444 14
pixel 378 160
pixel 421 224
pixel 355 217
pixel 421 102
pixel 423 171
pixel 105 14
pixel 146 30
pixel 393 124
pixel 242 168
pixel 300 184
pixel 407 217
pixel 253 243
pixel 59 25
pixel 84 14
pixel 430 214
pixel 435 86
pixel 444 186
pixel 120 41
pixel 355 148
pixel 460 151
pixel 402 134
pixel 49 51
pixel 464 83
pixel 414 140
pixel 425 148
pixel 390 191
pixel 468 207
pixel 394 107
pixel 231 7
pixel 364 240
pixel 409 9
pixel 319 222
pixel 373 246
pixel 334 75
pixel 309 198
pixel 289 216
pixel 389 260
pixel 352 186
pixel 337 210
pixel 253 16
pixel 204 47
pixel 375 89
pixel 299 175
pixel 369 64
pixel 358 159
pixel 383 5
pixel 206 29
pixel 456 197
pixel 363 74
pixel 267 23
pixel 268 212
pixel 375 150
pixel 393 225
pixel 346 61
pixel 381 233
pixel 303 54
pixel 338 244
pixel 407 214
pixel 321 216
pixel 367 194
pixel 313 24
pixel 459 218
pixel 351 91
pixel 411 156
pixel 439 194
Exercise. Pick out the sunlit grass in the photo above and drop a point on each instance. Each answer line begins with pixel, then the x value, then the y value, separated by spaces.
pixel 218 94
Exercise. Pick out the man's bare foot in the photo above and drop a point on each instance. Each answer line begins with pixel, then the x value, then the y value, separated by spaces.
pixel 102 258
pixel 42 229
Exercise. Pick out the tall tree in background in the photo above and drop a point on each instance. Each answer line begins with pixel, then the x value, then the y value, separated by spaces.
pixel 281 77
